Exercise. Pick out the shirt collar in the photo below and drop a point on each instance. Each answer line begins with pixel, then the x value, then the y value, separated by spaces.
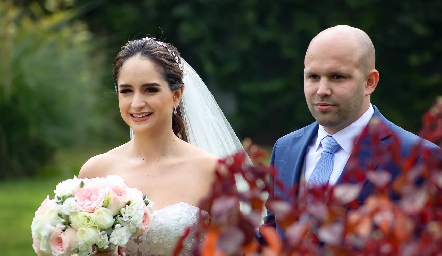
pixel 347 136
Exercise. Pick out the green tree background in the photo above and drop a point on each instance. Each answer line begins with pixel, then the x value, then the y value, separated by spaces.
pixel 51 77
pixel 250 53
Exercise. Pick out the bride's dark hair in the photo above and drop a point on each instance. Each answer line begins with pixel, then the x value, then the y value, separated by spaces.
pixel 167 59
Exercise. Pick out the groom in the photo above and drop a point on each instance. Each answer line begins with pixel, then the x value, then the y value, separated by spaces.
pixel 339 77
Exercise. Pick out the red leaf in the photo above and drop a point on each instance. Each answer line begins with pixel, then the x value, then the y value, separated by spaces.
pixel 345 193
pixel 271 237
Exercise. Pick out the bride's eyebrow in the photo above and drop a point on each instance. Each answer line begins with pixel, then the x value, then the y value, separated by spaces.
pixel 143 85
pixel 150 84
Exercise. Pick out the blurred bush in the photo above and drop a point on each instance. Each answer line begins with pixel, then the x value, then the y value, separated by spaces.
pixel 250 53
pixel 50 74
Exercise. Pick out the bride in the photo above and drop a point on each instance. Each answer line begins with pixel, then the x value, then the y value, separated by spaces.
pixel 178 135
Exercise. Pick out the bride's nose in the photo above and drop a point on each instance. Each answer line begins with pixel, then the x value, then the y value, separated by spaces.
pixel 138 101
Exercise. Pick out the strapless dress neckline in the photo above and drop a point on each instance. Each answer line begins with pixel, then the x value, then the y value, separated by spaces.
pixel 177 203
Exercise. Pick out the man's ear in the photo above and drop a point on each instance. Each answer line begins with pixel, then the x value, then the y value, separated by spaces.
pixel 372 81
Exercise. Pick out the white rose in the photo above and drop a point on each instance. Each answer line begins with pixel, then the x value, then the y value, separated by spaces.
pixel 38 226
pixel 132 216
pixel 70 205
pixel 110 180
pixel 82 220
pixel 45 246
pixel 103 218
pixel 37 249
pixel 73 219
pixel 115 180
pixel 88 235
pixel 84 249
pixel 103 240
pixel 43 225
pixel 50 211
pixel 120 236
pixel 67 187
pixel 135 195
pixel 150 204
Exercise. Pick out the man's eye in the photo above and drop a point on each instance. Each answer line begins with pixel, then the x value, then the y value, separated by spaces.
pixel 337 77
pixel 313 76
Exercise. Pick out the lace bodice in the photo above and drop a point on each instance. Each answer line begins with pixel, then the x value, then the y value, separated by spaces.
pixel 167 226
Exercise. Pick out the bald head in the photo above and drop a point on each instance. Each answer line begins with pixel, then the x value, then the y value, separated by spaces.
pixel 346 38
pixel 339 76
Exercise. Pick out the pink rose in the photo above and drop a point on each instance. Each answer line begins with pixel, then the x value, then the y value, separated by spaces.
pixel 71 234
pixel 63 242
pixel 117 198
pixel 90 198
pixel 58 242
pixel 147 218
pixel 145 222
pixel 43 207
pixel 36 247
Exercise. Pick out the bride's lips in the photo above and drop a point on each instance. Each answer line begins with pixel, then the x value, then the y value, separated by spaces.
pixel 139 117
pixel 324 106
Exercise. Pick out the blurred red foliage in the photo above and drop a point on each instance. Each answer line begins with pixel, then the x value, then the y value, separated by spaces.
pixel 403 216
pixel 432 123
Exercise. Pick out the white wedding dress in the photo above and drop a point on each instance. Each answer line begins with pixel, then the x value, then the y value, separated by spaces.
pixel 168 225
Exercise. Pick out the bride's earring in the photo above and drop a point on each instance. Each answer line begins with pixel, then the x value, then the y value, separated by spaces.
pixel 174 108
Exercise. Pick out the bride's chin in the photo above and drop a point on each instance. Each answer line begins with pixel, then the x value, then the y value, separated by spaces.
pixel 137 129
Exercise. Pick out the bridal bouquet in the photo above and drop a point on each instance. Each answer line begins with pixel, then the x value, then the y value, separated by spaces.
pixel 100 212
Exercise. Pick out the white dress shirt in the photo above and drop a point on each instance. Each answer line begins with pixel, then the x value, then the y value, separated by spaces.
pixel 345 138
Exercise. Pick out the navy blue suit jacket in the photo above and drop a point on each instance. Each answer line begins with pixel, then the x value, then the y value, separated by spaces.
pixel 289 153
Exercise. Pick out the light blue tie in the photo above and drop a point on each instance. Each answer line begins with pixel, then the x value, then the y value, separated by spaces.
pixel 324 167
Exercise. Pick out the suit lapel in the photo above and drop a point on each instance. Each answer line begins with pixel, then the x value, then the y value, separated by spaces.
pixel 296 154
pixel 365 145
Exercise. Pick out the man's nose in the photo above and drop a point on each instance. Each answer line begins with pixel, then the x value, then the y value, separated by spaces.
pixel 323 88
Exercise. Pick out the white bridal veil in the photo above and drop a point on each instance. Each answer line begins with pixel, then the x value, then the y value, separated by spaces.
pixel 205 123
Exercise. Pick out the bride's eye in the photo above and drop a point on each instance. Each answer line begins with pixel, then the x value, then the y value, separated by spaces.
pixel 125 91
pixel 151 89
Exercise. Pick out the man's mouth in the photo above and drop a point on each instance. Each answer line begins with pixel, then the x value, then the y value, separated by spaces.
pixel 321 106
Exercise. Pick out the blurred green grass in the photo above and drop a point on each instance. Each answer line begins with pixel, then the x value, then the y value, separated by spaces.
pixel 20 198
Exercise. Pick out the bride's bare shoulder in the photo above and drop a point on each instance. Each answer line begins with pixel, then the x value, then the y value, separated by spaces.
pixel 200 157
pixel 101 165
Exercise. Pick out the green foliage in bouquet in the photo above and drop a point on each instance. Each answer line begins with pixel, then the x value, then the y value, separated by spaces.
pixel 402 216
pixel 49 75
